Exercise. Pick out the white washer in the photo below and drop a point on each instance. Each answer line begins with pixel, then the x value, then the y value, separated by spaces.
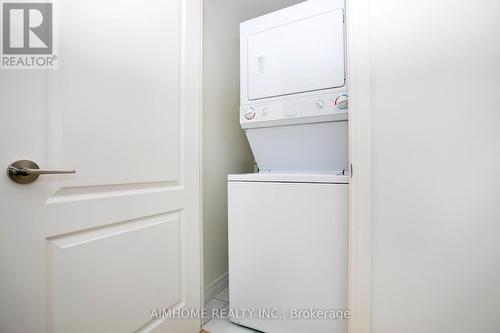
pixel 288 248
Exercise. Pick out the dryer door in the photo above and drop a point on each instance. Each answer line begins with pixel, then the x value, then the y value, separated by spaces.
pixel 301 56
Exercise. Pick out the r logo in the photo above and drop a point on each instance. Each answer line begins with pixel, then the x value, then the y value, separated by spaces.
pixel 27 28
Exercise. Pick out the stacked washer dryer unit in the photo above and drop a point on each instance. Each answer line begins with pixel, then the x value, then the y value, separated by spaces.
pixel 288 224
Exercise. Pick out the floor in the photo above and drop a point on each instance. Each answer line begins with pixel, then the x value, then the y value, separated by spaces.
pixel 216 325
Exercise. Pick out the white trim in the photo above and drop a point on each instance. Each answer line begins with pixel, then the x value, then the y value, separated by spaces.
pixel 360 139
pixel 191 54
pixel 221 283
pixel 201 32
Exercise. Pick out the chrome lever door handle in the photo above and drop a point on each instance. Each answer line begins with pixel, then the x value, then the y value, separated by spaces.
pixel 26 172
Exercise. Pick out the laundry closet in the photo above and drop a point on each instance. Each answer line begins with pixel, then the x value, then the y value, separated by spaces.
pixel 287 220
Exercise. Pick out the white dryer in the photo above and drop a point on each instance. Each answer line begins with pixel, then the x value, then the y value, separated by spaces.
pixel 288 249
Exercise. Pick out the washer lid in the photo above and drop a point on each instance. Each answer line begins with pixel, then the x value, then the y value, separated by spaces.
pixel 281 177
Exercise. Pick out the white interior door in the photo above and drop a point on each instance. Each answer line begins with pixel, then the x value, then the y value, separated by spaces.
pixel 98 250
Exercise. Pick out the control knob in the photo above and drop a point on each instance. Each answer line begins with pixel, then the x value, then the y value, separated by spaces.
pixel 250 114
pixel 342 102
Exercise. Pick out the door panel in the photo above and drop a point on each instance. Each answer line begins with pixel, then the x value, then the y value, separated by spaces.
pixel 92 271
pixel 121 79
pixel 98 250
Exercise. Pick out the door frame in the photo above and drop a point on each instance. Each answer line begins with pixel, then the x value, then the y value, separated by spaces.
pixel 192 92
pixel 360 152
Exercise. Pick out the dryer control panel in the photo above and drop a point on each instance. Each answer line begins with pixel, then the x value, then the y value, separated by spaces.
pixel 322 107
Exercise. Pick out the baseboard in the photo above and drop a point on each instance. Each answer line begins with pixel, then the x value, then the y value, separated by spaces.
pixel 216 287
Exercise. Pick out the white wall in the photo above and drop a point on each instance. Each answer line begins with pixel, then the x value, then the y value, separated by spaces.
pixel 225 148
pixel 435 68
